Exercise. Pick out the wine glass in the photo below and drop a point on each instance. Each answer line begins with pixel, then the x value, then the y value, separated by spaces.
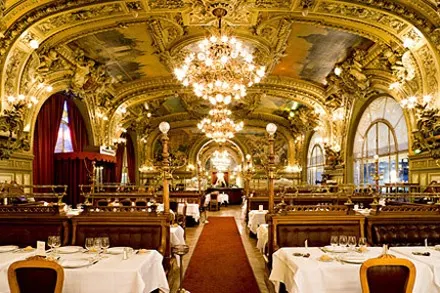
pixel 352 242
pixel 105 243
pixel 56 242
pixel 362 243
pixel 50 241
pixel 334 240
pixel 89 244
pixel 343 240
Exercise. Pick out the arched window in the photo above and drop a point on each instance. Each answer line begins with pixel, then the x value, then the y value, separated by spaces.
pixel 381 144
pixel 315 158
pixel 64 140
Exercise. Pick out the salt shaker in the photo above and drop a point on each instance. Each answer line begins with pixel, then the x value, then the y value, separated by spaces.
pixel 125 255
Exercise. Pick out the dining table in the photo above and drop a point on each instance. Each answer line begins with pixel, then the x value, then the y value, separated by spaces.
pixel 305 270
pixel 256 218
pixel 84 272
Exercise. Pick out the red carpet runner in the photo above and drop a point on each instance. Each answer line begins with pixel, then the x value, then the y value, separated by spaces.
pixel 219 263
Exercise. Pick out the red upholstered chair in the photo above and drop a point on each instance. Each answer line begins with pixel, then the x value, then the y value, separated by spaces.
pixel 35 274
pixel 387 275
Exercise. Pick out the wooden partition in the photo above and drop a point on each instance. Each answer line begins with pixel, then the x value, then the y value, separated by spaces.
pixel 404 225
pixel 26 229
pixel 291 229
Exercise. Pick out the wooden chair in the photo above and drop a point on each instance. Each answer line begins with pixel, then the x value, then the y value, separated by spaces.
pixel 35 274
pixel 387 275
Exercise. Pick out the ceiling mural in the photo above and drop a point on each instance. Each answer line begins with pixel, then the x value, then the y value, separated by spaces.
pixel 256 140
pixel 126 52
pixel 313 51
pixel 119 57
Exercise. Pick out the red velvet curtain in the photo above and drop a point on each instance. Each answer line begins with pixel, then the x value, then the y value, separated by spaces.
pixel 119 162
pixel 73 172
pixel 131 163
pixel 78 130
pixel 45 139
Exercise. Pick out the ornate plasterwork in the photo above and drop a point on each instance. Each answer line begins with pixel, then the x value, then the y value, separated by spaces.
pixel 165 4
pixel 362 13
pixel 270 4
pixel 78 17
pixel 276 32
pixel 239 12
pixel 165 30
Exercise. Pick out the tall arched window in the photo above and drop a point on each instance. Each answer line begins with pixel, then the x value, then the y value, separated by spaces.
pixel 315 160
pixel 381 142
pixel 64 140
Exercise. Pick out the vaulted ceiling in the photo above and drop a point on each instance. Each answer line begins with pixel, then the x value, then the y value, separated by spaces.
pixel 121 54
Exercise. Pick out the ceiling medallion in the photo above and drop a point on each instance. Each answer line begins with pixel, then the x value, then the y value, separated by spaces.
pixel 219 126
pixel 219 68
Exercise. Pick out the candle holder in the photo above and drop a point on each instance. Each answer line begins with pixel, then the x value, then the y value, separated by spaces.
pixel 181 250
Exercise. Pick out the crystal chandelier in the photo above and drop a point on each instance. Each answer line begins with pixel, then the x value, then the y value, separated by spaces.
pixel 221 160
pixel 219 126
pixel 219 68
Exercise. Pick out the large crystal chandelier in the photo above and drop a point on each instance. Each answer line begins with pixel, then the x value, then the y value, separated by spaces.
pixel 220 160
pixel 219 126
pixel 219 68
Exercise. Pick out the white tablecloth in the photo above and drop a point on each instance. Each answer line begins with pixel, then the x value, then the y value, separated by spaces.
pixel 141 273
pixel 309 275
pixel 262 236
pixel 223 198
pixel 256 218
pixel 6 258
pixel 432 261
pixel 192 210
pixel 177 236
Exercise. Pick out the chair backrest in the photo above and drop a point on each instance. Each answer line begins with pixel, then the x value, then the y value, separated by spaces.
pixel 25 276
pixel 387 275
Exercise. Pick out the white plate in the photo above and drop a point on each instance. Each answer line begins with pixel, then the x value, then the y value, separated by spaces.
pixel 8 248
pixel 353 259
pixel 74 263
pixel 69 249
pixel 437 247
pixel 336 249
pixel 116 250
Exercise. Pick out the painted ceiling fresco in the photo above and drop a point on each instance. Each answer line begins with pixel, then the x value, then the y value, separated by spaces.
pixel 256 140
pixel 313 51
pixel 127 52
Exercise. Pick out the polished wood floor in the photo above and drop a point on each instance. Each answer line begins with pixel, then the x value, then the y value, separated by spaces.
pixel 254 255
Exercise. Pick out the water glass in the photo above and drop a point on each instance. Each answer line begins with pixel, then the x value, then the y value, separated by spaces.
pixel 343 240
pixel 97 245
pixel 352 242
pixel 89 244
pixel 334 241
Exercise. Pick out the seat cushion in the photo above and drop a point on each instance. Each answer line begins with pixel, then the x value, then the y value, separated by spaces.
pixel 36 280
pixel 387 279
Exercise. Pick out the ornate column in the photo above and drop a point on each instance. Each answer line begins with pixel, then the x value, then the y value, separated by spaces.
pixel 164 127
pixel 248 174
pixel 271 129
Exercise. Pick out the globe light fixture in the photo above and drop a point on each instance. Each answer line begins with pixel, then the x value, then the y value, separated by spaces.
pixel 164 127
pixel 271 128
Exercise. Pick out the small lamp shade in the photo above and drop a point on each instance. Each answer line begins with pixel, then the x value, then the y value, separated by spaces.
pixel 164 127
pixel 271 128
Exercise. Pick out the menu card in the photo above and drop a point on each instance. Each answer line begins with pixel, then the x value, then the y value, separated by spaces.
pixel 41 248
